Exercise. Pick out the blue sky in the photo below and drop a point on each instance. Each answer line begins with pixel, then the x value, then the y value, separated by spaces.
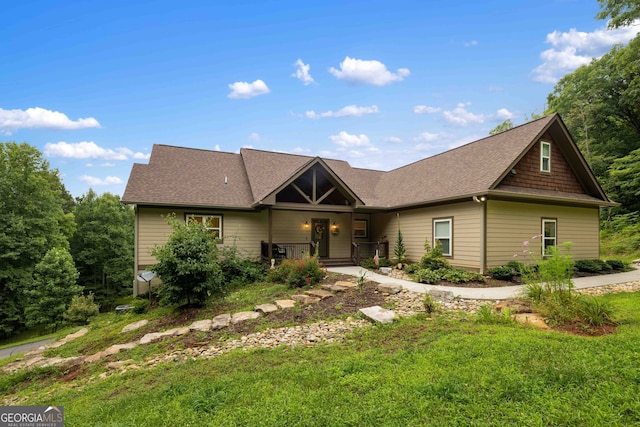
pixel 380 84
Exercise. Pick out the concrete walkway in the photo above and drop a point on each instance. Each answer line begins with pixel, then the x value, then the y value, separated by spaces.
pixel 501 293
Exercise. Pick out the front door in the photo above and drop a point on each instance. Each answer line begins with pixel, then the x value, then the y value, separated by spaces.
pixel 320 235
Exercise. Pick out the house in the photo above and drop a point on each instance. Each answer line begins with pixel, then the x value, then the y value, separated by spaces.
pixel 481 201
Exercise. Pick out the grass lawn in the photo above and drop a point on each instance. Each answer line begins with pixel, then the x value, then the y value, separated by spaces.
pixel 417 371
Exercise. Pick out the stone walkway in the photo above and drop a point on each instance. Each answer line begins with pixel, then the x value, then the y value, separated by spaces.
pixel 404 302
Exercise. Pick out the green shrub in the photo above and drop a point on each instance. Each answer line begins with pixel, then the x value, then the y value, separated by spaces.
pixel 617 265
pixel 430 305
pixel 556 270
pixel 238 270
pixel 488 315
pixel 187 265
pixel 502 272
pixel 369 264
pixel 140 306
pixel 516 266
pixel 81 310
pixel 432 259
pixel 298 272
pixel 594 311
pixel 534 292
pixel 425 275
pixel 592 266
pixel 458 275
pixel 412 268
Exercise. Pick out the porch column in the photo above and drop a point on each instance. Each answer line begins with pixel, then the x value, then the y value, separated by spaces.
pixel 270 236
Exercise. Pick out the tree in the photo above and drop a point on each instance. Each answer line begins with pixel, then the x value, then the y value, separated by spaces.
pixel 102 246
pixel 32 221
pixel 506 125
pixel 621 12
pixel 187 264
pixel 53 288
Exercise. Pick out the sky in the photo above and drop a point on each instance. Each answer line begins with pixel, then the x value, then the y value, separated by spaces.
pixel 380 84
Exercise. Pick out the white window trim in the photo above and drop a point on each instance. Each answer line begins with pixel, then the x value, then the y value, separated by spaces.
pixel 450 236
pixel 545 238
pixel 544 144
pixel 203 216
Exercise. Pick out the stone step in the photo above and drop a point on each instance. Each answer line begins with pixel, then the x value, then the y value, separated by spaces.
pixel 378 314
pixel 305 299
pixel 319 293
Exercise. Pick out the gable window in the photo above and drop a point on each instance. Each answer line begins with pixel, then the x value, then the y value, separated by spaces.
pixel 549 235
pixel 545 156
pixel 213 223
pixel 442 234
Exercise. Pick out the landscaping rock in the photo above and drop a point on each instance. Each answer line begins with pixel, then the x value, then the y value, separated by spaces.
pixel 149 338
pixel 389 288
pixel 221 321
pixel 386 270
pixel 135 325
pixel 177 331
pixel 305 299
pixel 514 307
pixel 244 316
pixel 285 303
pixel 68 338
pixel 322 294
pixel 443 295
pixel 531 319
pixel 378 314
pixel 346 284
pixel 201 325
pixel 334 288
pixel 266 308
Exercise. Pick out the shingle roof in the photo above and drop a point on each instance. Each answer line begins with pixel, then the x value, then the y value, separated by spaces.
pixel 193 177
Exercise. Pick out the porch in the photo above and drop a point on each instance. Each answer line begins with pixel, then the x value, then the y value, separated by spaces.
pixel 292 250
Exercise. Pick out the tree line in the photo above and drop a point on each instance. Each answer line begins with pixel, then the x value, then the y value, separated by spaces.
pixel 54 248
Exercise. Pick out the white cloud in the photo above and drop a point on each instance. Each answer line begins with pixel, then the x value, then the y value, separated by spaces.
pixel 107 165
pixel 393 140
pixel 471 43
pixel 348 111
pixel 89 150
pixel 216 147
pixel 425 109
pixel 346 140
pixel 244 90
pixel 92 180
pixel 426 137
pixel 302 72
pixel 141 156
pixel 255 137
pixel 574 48
pixel 504 114
pixel 370 72
pixel 460 116
pixel 37 117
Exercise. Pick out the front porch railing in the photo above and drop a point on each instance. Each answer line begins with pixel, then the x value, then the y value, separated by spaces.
pixel 280 251
pixel 362 250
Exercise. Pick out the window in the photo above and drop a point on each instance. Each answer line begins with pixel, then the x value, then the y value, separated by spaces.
pixel 213 223
pixel 442 234
pixel 549 235
pixel 360 228
pixel 545 156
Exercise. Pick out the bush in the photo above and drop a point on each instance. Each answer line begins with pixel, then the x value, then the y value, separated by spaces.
pixel 457 275
pixel 502 272
pixel 432 259
pixel 238 270
pixel 591 266
pixel 430 305
pixel 187 265
pixel 428 276
pixel 488 315
pixel 412 268
pixel 81 310
pixel 298 272
pixel 517 266
pixel 140 306
pixel 594 311
pixel 617 265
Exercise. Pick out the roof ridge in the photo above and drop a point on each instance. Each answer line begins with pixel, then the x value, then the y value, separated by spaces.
pixel 476 141
pixel 196 149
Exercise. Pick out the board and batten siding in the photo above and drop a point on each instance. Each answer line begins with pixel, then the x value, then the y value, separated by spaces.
pixel 417 226
pixel 245 229
pixel 509 224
